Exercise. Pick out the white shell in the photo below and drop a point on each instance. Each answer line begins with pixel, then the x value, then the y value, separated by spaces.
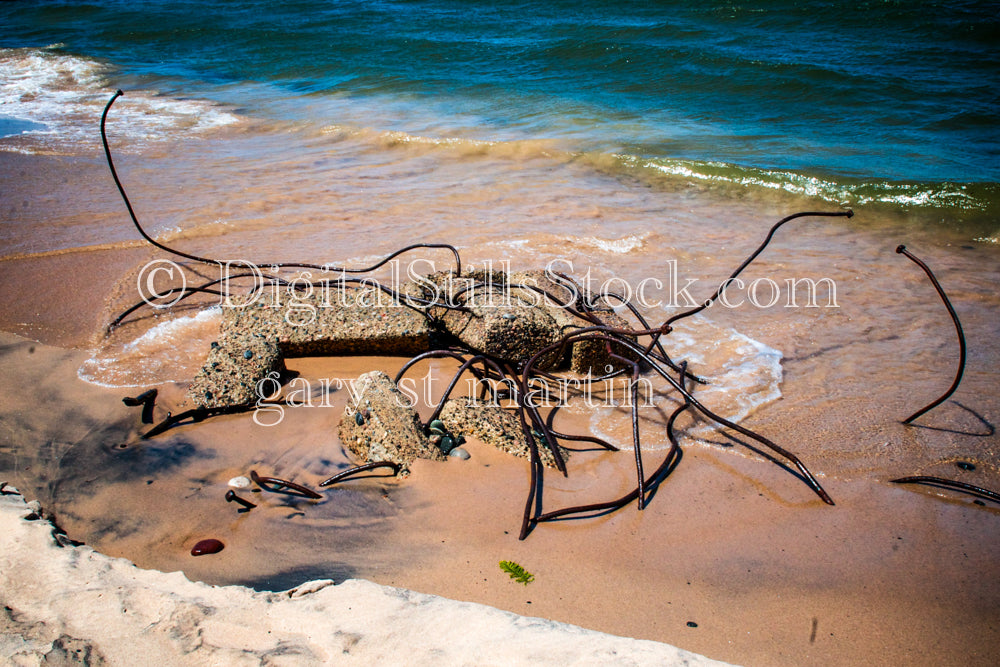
pixel 459 453
pixel 239 482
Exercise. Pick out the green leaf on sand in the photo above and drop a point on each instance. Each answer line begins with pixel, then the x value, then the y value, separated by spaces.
pixel 516 572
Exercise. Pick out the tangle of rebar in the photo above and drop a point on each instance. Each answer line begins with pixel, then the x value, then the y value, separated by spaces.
pixel 625 346
pixel 958 329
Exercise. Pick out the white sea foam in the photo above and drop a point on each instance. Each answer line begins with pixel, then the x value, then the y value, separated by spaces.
pixel 743 375
pixel 944 195
pixel 171 351
pixel 67 94
pixel 620 246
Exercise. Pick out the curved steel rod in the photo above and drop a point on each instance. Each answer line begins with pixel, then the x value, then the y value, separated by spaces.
pixel 350 472
pixel 951 484
pixel 282 485
pixel 669 462
pixel 958 329
pixel 753 256
pixel 207 260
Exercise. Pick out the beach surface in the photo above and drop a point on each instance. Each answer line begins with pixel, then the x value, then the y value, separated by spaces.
pixel 826 344
pixel 733 558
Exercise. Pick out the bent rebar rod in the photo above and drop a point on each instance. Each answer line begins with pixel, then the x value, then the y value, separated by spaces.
pixel 958 329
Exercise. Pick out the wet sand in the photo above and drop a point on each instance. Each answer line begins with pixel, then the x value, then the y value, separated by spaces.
pixel 731 543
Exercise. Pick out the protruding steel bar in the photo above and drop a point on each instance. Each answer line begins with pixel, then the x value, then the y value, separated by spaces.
pixel 951 484
pixel 350 472
pixel 958 329
pixel 282 485
pixel 753 256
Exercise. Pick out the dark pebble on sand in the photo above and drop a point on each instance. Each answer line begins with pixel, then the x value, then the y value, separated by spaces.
pixel 965 465
pixel 248 355
pixel 207 547
pixel 692 624
pixel 359 419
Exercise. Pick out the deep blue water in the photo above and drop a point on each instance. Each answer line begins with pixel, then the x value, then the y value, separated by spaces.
pixel 859 101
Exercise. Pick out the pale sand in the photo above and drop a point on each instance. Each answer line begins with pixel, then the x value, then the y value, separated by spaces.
pixel 70 604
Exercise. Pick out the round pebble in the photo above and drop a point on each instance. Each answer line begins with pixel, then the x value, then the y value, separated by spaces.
pixel 248 355
pixel 459 453
pixel 207 547
pixel 239 482
pixel 359 419
pixel 447 444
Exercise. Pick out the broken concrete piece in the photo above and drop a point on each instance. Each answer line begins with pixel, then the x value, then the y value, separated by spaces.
pixel 380 425
pixel 496 427
pixel 502 316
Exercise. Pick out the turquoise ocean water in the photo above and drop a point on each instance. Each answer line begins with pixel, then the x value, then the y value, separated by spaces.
pixel 853 103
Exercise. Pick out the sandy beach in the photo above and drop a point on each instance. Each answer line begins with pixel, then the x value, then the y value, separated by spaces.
pixel 733 558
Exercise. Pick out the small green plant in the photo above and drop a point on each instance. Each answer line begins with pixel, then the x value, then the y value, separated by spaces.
pixel 516 572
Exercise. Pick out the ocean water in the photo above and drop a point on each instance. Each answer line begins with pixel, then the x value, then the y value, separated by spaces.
pixel 891 103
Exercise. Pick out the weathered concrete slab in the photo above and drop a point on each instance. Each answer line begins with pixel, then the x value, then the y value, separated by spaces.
pixel 508 317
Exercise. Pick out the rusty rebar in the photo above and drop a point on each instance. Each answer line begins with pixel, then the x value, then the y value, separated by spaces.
pixel 283 486
pixel 350 472
pixel 951 484
pixel 958 329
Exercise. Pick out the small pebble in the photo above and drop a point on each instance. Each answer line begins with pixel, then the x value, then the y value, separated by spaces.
pixel 435 439
pixel 207 547
pixel 447 444
pixel 208 395
pixel 692 624
pixel 248 355
pixel 359 419
pixel 460 439
pixel 459 453
pixel 239 482
pixel 965 465
pixel 437 426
